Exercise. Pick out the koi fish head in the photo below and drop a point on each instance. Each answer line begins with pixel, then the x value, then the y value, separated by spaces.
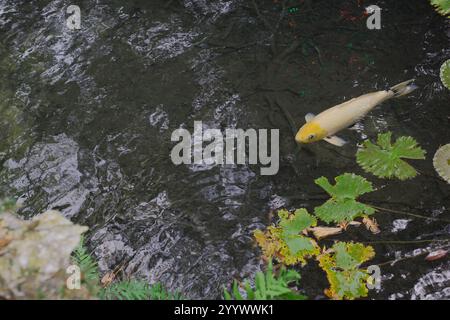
pixel 310 132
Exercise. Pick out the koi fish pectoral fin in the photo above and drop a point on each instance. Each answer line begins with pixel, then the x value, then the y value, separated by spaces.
pixel 309 117
pixel 335 140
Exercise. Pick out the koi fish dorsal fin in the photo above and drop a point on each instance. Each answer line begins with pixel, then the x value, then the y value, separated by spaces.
pixel 309 117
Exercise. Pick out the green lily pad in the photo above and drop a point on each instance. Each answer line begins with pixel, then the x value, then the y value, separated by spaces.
pixel 342 206
pixel 445 73
pixel 291 228
pixel 285 241
pixel 342 267
pixel 385 160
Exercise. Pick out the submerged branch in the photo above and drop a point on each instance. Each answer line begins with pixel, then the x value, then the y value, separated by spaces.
pixel 414 256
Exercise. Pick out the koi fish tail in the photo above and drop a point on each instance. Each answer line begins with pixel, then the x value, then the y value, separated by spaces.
pixel 403 88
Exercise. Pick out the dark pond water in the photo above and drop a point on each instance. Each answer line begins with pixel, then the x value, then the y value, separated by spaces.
pixel 86 118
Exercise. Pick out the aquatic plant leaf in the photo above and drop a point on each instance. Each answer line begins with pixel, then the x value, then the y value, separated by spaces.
pixel 348 186
pixel 445 73
pixel 407 147
pixel 351 255
pixel 298 244
pixel 292 226
pixel 285 241
pixel 296 223
pixel 268 241
pixel 384 159
pixel 342 210
pixel 342 267
pixel 441 6
pixel 287 257
pixel 441 162
pixel 347 284
pixel 343 207
pixel 268 286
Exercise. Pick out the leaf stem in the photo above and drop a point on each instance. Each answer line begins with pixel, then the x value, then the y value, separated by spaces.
pixel 405 241
pixel 409 214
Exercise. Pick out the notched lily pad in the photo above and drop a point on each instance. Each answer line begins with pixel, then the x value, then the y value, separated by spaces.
pixel 385 160
pixel 342 264
pixel 445 72
pixel 285 242
pixel 342 207
pixel 441 162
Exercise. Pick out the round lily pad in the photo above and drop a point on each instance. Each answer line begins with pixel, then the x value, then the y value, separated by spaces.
pixel 441 162
pixel 445 74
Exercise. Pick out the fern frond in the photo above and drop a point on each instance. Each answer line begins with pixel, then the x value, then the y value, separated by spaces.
pixel 441 6
pixel 268 286
pixel 7 205
pixel 137 290
pixel 126 290
pixel 159 292
pixel 88 266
